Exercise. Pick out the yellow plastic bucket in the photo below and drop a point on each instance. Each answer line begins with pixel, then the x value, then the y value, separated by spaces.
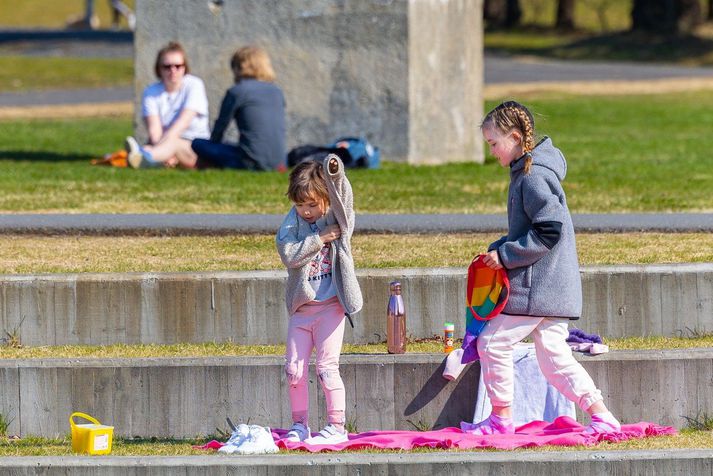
pixel 90 438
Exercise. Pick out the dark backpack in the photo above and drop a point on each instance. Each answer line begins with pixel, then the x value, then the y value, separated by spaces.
pixel 354 152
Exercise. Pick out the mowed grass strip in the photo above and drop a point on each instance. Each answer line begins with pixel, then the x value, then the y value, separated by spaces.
pixel 36 73
pixel 625 154
pixel 34 446
pixel 229 349
pixel 108 254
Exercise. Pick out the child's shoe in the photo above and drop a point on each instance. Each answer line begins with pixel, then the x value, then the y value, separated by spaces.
pixel 328 436
pixel 237 438
pixel 493 425
pixel 298 432
pixel 603 423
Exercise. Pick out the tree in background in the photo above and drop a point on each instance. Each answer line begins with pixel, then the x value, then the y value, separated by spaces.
pixel 502 13
pixel 667 17
pixel 565 15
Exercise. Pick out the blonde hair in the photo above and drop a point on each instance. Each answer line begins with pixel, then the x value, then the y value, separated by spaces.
pixel 510 116
pixel 252 62
pixel 307 182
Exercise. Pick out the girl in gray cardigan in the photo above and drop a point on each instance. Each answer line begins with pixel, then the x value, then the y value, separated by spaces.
pixel 314 243
pixel 540 257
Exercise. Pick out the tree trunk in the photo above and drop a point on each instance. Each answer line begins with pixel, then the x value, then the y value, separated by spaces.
pixel 502 13
pixel 665 16
pixel 565 15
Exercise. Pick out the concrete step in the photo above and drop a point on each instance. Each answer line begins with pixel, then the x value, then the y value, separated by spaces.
pixel 674 462
pixel 249 308
pixel 187 397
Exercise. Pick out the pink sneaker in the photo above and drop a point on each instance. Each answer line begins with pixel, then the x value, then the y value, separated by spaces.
pixel 493 425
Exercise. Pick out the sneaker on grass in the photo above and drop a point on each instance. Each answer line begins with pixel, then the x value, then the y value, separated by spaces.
pixel 328 436
pixel 298 432
pixel 137 156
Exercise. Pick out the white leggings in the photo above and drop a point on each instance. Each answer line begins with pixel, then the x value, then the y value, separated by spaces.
pixel 558 365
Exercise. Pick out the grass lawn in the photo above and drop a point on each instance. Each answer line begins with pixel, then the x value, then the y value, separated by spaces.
pixel 212 349
pixel 33 446
pixel 51 14
pixel 600 34
pixel 87 254
pixel 625 153
pixel 32 73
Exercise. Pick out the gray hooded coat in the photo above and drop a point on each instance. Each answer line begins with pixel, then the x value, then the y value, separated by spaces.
pixel 297 244
pixel 539 251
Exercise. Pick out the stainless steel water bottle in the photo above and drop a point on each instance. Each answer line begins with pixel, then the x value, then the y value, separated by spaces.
pixel 396 321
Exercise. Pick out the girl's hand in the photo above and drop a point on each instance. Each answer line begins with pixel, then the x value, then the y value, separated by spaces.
pixel 333 166
pixel 330 233
pixel 492 260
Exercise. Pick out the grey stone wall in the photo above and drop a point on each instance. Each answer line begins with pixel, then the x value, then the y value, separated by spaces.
pixel 187 397
pixel 248 307
pixel 406 74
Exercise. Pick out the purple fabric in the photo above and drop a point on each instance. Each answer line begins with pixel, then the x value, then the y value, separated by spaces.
pixel 580 337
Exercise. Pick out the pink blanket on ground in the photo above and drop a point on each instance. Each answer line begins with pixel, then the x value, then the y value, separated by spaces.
pixel 564 431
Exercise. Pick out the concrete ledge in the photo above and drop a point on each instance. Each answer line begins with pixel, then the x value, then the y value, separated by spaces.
pixel 186 397
pixel 671 462
pixel 248 307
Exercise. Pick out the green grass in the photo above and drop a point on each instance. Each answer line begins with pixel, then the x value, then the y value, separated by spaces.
pixel 50 13
pixel 88 254
pixel 228 349
pixel 598 36
pixel 32 73
pixel 34 446
pixel 625 153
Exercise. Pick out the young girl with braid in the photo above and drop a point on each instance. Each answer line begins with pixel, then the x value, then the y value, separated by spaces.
pixel 540 258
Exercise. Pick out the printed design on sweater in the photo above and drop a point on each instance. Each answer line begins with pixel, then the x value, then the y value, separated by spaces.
pixel 321 266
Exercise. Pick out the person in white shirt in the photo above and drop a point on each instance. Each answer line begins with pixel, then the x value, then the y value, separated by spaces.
pixel 175 111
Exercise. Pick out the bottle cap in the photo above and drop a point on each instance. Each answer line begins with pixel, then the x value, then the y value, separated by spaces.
pixel 449 326
pixel 395 286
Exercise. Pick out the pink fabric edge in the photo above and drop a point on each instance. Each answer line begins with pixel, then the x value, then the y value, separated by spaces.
pixel 564 431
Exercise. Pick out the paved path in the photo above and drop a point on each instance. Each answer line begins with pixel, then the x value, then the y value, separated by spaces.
pixel 216 224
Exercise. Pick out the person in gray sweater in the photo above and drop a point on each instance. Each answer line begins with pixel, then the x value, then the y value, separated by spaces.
pixel 540 257
pixel 314 243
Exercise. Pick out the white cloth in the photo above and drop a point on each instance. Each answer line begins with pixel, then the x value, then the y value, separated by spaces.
pixel 167 106
pixel 454 367
pixel 535 399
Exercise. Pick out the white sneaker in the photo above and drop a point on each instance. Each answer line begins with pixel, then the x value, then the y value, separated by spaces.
pixel 259 441
pixel 240 435
pixel 328 436
pixel 133 152
pixel 298 432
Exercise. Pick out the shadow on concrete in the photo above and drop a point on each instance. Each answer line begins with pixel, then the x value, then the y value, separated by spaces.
pixel 460 404
pixel 42 156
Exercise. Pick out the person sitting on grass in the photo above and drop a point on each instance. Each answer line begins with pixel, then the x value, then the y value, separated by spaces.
pixel 175 111
pixel 258 107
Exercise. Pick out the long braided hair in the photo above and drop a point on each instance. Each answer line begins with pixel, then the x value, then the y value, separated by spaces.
pixel 512 115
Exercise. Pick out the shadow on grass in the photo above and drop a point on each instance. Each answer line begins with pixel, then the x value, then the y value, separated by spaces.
pixel 43 156
pixel 621 45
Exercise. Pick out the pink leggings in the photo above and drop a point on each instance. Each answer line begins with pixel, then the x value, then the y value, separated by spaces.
pixel 317 325
pixel 560 368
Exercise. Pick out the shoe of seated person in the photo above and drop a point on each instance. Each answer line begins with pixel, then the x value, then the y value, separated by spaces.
pixel 328 436
pixel 298 432
pixel 137 157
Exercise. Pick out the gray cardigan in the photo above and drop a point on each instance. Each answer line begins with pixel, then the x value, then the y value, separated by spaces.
pixel 297 244
pixel 539 251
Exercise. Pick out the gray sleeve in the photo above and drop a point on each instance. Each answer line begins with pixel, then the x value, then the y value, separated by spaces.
pixel 294 252
pixel 341 198
pixel 541 204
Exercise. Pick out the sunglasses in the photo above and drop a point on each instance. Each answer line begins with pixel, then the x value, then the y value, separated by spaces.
pixel 168 67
